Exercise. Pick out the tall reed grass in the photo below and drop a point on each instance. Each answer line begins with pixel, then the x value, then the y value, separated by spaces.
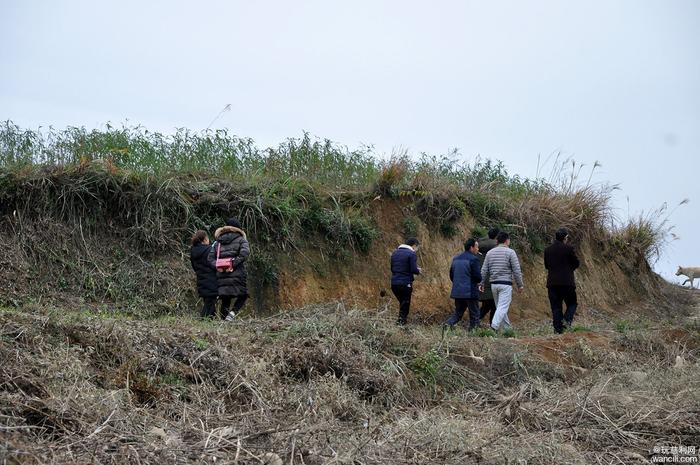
pixel 216 153
pixel 307 183
pixel 222 154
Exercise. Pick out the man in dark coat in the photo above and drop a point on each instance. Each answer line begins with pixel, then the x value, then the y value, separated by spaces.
pixel 488 305
pixel 404 265
pixel 231 242
pixel 207 284
pixel 560 260
pixel 465 274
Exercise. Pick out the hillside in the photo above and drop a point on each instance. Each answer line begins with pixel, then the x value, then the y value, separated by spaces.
pixel 103 360
pixel 108 216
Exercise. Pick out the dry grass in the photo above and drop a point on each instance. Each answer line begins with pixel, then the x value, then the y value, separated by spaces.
pixel 329 385
pixel 155 189
pixel 319 385
pixel 441 182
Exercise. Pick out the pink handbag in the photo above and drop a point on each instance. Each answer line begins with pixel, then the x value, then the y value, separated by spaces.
pixel 223 265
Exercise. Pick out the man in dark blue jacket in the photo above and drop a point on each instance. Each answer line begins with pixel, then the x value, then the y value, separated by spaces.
pixel 465 274
pixel 404 265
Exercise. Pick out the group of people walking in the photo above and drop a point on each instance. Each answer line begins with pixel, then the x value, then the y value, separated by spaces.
pixel 220 269
pixel 486 272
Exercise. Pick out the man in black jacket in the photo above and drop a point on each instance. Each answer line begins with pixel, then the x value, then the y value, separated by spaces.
pixel 560 260
pixel 488 305
pixel 207 285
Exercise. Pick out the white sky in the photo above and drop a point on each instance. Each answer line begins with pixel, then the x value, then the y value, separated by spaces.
pixel 613 81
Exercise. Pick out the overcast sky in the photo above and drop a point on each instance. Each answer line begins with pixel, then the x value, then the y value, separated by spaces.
pixel 612 81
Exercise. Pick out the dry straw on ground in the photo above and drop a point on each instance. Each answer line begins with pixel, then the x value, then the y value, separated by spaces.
pixel 329 384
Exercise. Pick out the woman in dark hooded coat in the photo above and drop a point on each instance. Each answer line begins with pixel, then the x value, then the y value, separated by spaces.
pixel 231 242
pixel 207 285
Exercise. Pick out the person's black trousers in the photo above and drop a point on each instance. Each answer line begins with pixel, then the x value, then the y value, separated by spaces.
pixel 209 307
pixel 488 306
pixel 461 305
pixel 403 295
pixel 567 294
pixel 226 304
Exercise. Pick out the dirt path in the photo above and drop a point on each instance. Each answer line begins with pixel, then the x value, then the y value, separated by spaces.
pixel 557 348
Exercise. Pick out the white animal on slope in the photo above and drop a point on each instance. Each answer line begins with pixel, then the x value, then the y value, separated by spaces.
pixel 691 273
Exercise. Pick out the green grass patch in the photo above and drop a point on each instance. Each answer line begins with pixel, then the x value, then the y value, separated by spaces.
pixel 578 329
pixel 201 344
pixel 479 231
pixel 171 379
pixel 483 332
pixel 410 226
pixel 624 326
pixel 508 333
pixel 427 365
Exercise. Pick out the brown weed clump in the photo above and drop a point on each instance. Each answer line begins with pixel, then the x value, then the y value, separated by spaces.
pixel 328 384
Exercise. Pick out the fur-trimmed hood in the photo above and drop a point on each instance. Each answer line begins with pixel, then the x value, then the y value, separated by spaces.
pixel 231 243
pixel 228 229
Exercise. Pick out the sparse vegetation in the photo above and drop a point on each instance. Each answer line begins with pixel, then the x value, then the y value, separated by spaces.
pixel 508 332
pixel 576 328
pixel 201 344
pixel 166 185
pixel 410 226
pixel 623 326
pixel 427 365
pixel 320 385
pixel 479 231
pixel 101 362
pixel 649 232
pixel 484 332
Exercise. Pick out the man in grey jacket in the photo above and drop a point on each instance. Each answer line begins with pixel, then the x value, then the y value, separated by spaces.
pixel 501 267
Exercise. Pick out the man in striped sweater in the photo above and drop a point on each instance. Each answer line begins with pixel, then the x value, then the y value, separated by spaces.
pixel 501 267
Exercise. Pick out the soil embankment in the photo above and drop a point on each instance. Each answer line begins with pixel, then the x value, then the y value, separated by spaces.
pixel 603 281
pixel 47 261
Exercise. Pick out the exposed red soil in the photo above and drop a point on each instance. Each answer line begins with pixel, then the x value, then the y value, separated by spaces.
pixel 364 280
pixel 554 348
